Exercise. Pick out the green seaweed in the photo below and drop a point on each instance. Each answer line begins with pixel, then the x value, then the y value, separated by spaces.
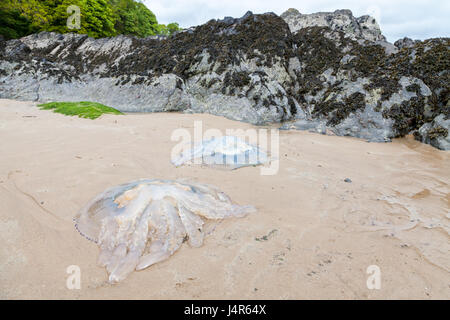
pixel 83 109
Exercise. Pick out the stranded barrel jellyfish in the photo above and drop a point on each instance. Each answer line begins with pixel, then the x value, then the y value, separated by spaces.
pixel 144 222
pixel 227 151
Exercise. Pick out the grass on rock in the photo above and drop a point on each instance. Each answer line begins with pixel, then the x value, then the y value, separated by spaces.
pixel 83 109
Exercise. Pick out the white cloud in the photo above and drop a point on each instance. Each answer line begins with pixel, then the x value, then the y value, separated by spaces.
pixel 418 19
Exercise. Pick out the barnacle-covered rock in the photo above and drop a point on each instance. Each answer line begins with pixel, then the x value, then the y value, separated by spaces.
pixel 144 222
pixel 436 133
pixel 365 27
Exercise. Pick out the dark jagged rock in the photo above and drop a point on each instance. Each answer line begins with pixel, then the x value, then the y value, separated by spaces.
pixel 251 69
pixel 361 90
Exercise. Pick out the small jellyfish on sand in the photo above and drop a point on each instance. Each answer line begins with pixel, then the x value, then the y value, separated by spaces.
pixel 144 222
pixel 227 151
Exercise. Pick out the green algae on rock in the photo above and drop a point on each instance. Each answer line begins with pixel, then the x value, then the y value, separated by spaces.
pixel 83 109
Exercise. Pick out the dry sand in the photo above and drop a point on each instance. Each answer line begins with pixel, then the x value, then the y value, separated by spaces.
pixel 313 236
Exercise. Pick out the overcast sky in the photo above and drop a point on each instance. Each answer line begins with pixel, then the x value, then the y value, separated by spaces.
pixel 417 19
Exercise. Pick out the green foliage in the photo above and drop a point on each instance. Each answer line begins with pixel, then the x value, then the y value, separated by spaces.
pixel 99 18
pixel 84 109
pixel 13 25
pixel 134 18
pixel 172 27
pixel 169 29
pixel 33 10
pixel 96 18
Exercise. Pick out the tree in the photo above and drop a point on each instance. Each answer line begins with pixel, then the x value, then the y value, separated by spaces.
pixel 133 18
pixel 99 18
pixel 13 25
pixel 33 10
pixel 169 29
pixel 173 27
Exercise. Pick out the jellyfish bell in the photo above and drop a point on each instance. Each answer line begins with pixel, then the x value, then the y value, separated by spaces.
pixel 144 222
pixel 227 151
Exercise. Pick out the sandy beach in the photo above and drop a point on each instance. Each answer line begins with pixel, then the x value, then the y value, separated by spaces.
pixel 313 235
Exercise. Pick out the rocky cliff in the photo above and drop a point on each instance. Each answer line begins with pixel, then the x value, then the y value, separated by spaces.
pixel 337 76
pixel 365 27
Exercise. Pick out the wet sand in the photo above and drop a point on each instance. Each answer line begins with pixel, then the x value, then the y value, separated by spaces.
pixel 313 236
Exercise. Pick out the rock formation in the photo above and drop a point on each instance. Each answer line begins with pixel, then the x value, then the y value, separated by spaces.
pixel 259 68
pixel 365 27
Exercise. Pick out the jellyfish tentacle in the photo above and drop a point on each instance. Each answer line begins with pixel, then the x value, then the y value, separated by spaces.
pixel 159 249
pixel 193 225
pixel 151 259
pixel 207 207
pixel 176 230
pixel 136 245
pixel 125 266
pixel 130 235
pixel 117 254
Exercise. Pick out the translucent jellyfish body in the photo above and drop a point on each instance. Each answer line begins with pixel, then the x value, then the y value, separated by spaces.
pixel 227 151
pixel 144 222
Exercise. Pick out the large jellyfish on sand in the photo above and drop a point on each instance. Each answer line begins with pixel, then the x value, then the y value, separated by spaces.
pixel 144 222
pixel 227 151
